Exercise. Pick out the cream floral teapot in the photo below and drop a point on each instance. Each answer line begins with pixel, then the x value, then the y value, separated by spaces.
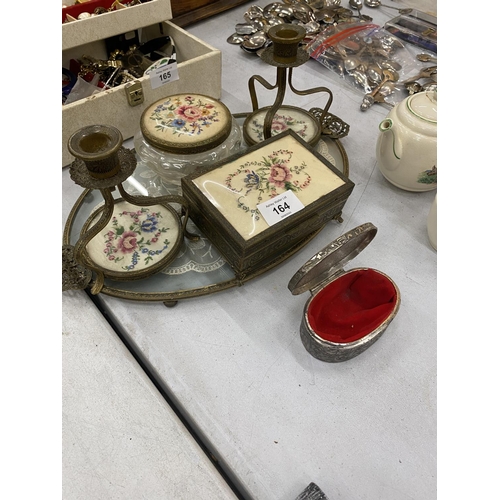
pixel 407 143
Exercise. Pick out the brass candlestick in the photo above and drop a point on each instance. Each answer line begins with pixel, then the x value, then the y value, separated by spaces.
pixel 102 163
pixel 285 54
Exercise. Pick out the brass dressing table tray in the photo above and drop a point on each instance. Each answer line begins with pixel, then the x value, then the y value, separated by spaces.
pixel 199 269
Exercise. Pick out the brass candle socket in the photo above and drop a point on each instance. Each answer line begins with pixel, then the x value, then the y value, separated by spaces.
pixel 97 146
pixel 286 39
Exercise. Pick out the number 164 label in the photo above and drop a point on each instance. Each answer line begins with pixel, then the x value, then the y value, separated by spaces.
pixel 280 207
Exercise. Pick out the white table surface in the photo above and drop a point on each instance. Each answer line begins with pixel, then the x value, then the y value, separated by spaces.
pixel 275 417
pixel 120 438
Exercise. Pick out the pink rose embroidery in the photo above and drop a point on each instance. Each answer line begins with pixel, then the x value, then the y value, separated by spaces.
pixel 279 126
pixel 279 174
pixel 190 113
pixel 128 242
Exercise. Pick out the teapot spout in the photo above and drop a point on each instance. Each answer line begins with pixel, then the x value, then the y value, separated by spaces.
pixel 390 141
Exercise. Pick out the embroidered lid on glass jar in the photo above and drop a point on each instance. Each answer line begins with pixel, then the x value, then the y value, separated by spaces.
pixel 184 131
pixel 348 310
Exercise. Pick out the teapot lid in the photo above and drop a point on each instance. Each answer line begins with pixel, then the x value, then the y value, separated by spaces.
pixel 331 258
pixel 424 105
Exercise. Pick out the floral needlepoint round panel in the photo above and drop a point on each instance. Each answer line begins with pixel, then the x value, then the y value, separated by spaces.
pixel 135 239
pixel 186 124
pixel 287 118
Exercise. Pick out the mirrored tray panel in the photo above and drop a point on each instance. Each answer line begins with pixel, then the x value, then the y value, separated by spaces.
pixel 199 269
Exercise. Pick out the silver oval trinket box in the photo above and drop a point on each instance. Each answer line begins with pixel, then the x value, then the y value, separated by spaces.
pixel 348 310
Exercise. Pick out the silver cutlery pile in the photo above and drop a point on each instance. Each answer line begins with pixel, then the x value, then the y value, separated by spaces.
pixel 312 15
pixel 374 63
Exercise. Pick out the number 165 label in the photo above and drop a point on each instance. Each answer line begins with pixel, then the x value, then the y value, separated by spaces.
pixel 280 207
pixel 164 74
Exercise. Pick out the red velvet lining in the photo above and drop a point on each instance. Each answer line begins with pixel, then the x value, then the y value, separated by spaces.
pixel 352 306
pixel 76 9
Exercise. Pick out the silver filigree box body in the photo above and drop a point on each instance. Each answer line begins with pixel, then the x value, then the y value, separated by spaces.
pixel 348 310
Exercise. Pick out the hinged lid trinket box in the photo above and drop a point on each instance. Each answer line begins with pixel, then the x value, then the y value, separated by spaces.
pixel 348 310
pixel 228 200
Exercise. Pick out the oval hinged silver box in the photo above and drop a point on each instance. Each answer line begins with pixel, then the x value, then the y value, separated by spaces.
pixel 348 310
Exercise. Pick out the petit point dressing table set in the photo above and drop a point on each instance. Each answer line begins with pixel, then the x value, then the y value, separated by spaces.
pixel 190 194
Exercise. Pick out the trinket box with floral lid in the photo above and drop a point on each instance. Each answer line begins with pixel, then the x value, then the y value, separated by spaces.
pixel 226 200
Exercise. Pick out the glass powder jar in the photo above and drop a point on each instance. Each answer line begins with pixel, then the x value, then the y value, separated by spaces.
pixel 182 132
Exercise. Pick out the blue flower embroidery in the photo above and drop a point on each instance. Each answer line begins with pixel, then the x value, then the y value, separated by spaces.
pixel 150 224
pixel 178 123
pixel 252 180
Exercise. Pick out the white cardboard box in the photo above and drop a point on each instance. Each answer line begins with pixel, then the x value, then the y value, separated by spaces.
pixel 113 23
pixel 199 67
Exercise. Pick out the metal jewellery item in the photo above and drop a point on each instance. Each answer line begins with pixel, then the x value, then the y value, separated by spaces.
pixel 375 95
pixel 312 492
pixel 378 3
